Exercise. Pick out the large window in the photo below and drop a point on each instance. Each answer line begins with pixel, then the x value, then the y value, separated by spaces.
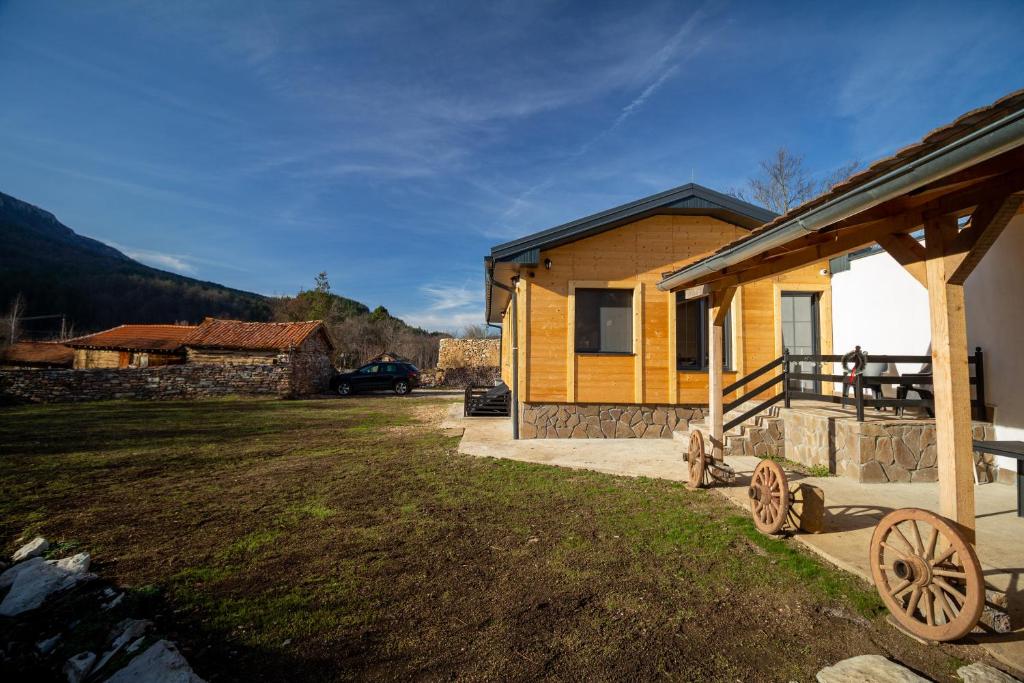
pixel 604 321
pixel 692 335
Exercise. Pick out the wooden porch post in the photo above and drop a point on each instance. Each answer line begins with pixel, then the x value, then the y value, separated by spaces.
pixel 718 307
pixel 951 379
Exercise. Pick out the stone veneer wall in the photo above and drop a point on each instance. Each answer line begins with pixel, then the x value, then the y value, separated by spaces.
pixel 871 451
pixel 591 421
pixel 163 382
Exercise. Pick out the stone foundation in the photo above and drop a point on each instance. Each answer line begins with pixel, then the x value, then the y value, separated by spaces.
pixel 592 421
pixel 872 451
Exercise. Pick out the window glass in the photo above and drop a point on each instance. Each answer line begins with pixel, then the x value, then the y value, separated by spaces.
pixel 604 321
pixel 692 335
pixel 369 369
pixel 390 368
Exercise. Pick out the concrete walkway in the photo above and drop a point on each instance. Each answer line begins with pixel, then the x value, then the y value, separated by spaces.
pixel 852 509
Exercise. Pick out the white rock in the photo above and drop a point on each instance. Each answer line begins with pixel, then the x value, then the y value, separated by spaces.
pixel 34 548
pixel 160 663
pixel 79 666
pixel 868 669
pixel 75 563
pixel 983 673
pixel 32 585
pixel 8 577
pixel 127 630
pixel 136 645
pixel 47 646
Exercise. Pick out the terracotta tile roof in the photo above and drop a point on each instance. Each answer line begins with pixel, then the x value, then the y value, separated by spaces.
pixel 158 338
pixel 39 354
pixel 937 138
pixel 235 334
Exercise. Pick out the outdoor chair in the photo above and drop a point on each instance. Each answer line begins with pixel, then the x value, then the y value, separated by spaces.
pixel 922 386
pixel 874 386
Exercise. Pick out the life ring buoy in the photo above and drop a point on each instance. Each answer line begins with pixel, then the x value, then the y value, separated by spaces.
pixel 854 363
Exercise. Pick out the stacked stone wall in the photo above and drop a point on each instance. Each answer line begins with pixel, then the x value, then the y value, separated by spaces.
pixel 591 421
pixel 468 353
pixel 164 382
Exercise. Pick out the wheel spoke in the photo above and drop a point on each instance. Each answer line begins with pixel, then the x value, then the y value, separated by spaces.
pixel 950 551
pixel 896 528
pixel 915 597
pixel 918 544
pixel 900 588
pixel 893 548
pixel 950 574
pixel 944 606
pixel 930 550
pixel 929 608
pixel 941 583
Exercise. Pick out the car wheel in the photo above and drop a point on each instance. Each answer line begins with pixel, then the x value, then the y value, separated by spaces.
pixel 344 388
pixel 401 387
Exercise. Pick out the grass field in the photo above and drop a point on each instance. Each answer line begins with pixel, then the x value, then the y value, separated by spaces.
pixel 342 539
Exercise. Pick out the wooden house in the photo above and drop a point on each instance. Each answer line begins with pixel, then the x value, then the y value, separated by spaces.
pixel 305 346
pixel 592 348
pixel 131 346
pixel 33 354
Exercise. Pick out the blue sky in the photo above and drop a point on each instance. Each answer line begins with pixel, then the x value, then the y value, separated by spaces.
pixel 392 144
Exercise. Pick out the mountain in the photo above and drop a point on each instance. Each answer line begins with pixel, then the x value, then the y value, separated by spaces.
pixel 57 270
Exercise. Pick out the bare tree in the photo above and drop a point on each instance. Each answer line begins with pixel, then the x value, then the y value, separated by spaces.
pixel 476 332
pixel 12 322
pixel 784 182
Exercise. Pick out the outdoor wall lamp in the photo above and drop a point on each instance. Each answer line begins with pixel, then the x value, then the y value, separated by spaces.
pixel 547 264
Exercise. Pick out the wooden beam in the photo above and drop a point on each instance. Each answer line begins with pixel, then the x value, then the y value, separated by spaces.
pixel 908 253
pixel 987 223
pixel 697 292
pixel 950 378
pixel 717 310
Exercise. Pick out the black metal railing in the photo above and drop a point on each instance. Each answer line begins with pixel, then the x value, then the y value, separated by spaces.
pixel 919 383
pixel 750 394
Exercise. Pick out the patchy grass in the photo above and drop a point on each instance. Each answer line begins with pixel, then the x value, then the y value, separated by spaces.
pixel 345 539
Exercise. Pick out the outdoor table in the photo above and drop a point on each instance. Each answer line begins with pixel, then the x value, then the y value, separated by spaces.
pixel 1010 449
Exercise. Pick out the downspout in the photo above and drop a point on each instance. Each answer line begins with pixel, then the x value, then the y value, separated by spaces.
pixel 513 290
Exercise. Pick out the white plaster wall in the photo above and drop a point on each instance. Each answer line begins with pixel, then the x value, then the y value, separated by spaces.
pixel 878 305
pixel 995 322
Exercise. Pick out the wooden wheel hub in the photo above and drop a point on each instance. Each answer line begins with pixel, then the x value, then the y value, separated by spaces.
pixel 769 497
pixel 927 574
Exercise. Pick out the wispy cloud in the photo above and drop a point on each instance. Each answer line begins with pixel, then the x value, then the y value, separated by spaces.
pixel 178 263
pixel 450 307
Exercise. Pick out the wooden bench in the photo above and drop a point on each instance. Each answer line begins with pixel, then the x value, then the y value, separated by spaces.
pixel 1009 449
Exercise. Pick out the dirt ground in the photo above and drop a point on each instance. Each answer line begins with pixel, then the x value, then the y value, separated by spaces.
pixel 346 539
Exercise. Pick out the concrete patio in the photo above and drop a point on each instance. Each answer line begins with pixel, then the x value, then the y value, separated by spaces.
pixel 852 509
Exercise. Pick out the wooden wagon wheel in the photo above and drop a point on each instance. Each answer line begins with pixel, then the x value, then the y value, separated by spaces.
pixel 769 497
pixel 927 574
pixel 697 460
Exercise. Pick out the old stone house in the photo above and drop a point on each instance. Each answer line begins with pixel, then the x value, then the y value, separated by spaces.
pixel 304 346
pixel 131 346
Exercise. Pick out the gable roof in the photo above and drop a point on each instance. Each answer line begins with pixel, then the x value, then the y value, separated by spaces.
pixel 972 137
pixel 250 336
pixel 686 200
pixel 155 338
pixel 38 354
pixel 689 199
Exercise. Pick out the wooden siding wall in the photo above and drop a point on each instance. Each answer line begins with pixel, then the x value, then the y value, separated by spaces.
pixel 639 253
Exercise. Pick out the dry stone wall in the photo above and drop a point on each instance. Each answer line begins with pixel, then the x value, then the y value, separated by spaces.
pixel 164 382
pixel 571 421
pixel 468 353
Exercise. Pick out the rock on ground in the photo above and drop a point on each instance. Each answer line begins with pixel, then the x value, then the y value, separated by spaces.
pixel 8 577
pixel 868 669
pixel 79 666
pixel 983 673
pixel 35 583
pixel 34 548
pixel 161 663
